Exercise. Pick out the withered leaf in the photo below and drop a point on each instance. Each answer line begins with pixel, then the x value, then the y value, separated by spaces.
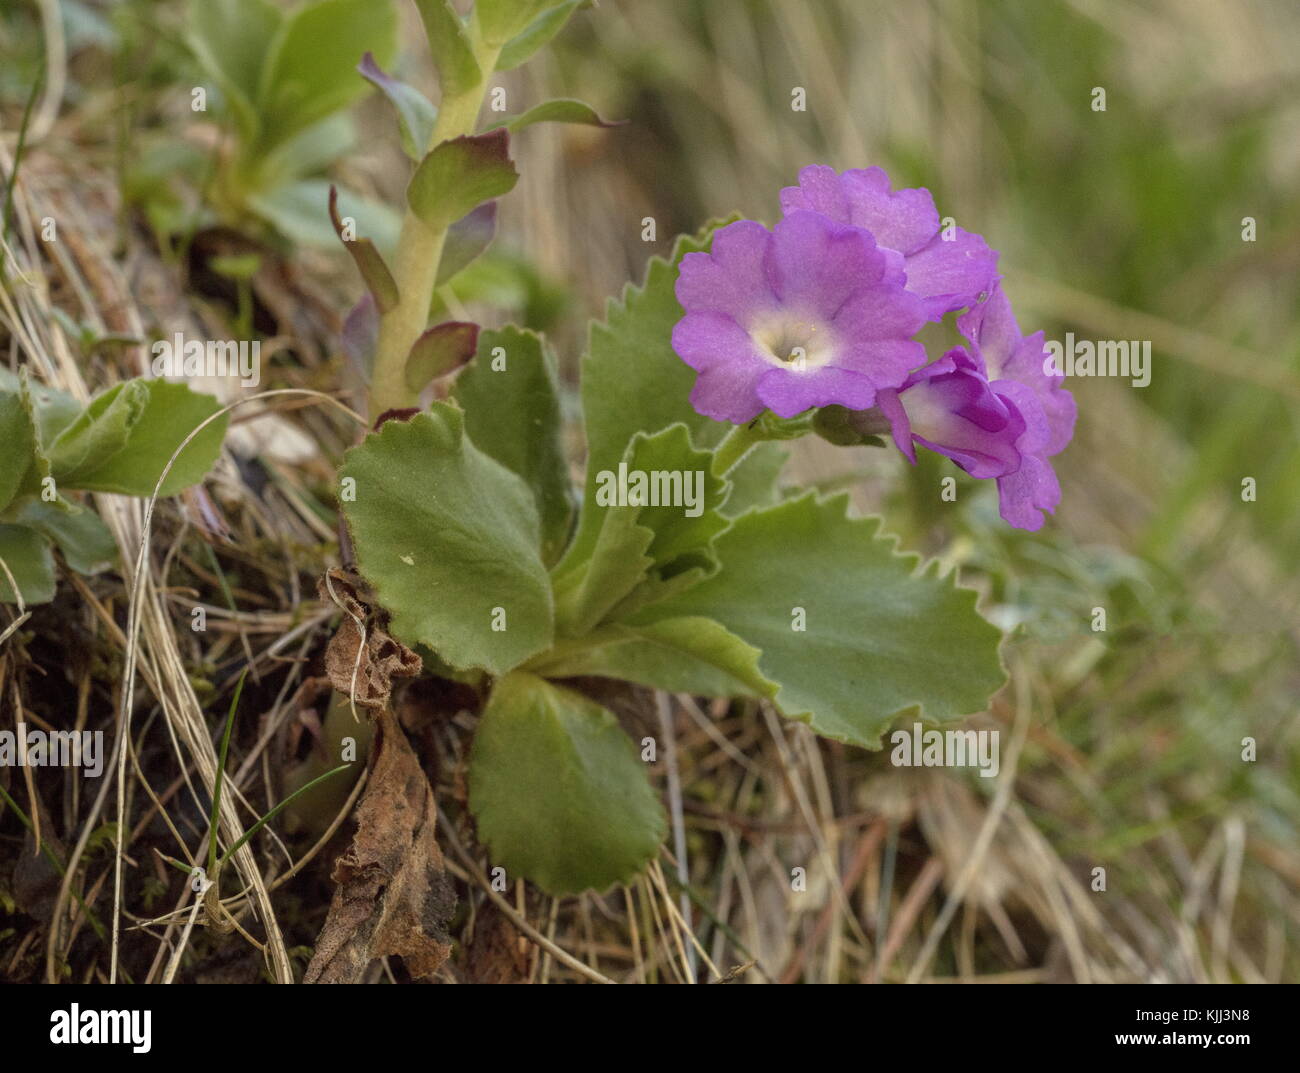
pixel 393 894
pixel 381 660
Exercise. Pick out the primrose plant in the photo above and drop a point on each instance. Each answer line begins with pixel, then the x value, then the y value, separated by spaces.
pixel 278 80
pixel 678 564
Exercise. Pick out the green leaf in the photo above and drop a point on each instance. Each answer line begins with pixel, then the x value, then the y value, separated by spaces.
pixel 300 211
pixel 374 272
pixel 536 34
pixel 459 175
pixel 231 39
pixel 660 516
pixel 682 655
pixel 452 52
pixel 28 556
pixel 679 497
pixel 754 479
pixel 53 410
pixel 440 350
pixel 125 437
pixel 310 67
pixel 99 432
pixel 416 114
pixel 25 464
pixel 84 540
pixel 501 20
pixel 587 591
pixel 310 151
pixel 633 381
pixel 467 238
pixel 560 110
pixel 446 535
pixel 880 638
pixel 558 791
pixel 511 399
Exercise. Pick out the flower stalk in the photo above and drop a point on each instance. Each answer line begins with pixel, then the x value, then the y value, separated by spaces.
pixel 735 445
pixel 419 249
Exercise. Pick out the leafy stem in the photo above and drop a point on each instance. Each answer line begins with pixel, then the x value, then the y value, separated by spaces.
pixel 419 247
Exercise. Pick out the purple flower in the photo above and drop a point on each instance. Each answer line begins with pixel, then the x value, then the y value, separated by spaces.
pixel 945 274
pixel 993 410
pixel 995 337
pixel 804 315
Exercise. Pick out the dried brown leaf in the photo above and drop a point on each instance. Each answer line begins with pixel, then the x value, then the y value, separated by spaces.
pixel 381 659
pixel 393 894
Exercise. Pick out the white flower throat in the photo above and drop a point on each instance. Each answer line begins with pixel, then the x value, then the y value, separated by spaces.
pixel 793 342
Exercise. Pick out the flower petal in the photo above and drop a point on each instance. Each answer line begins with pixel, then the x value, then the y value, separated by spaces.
pixel 815 264
pixel 705 339
pixel 732 277
pixel 903 220
pixel 1025 494
pixel 951 275
pixel 787 392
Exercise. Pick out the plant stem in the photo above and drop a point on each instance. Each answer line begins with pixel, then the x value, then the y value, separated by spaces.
pixel 419 251
pixel 735 445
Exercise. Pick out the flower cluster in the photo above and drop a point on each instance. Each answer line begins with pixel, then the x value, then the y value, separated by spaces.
pixel 823 309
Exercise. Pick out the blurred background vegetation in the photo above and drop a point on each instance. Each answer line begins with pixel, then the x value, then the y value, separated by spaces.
pixel 1118 224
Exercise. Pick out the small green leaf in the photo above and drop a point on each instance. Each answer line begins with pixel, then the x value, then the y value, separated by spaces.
pixel 416 114
pixel 84 540
pixel 439 351
pixel 501 20
pixel 511 399
pixel 452 52
pixel 231 39
pixel 660 516
pixel 587 591
pixel 678 493
pixel 27 555
pixel 561 110
pixel 878 637
pixel 449 539
pixel 683 655
pixel 558 791
pixel 459 175
pixel 378 279
pixel 100 432
pixel 467 238
pixel 25 464
pixel 536 34
pixel 125 437
pixel 309 71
